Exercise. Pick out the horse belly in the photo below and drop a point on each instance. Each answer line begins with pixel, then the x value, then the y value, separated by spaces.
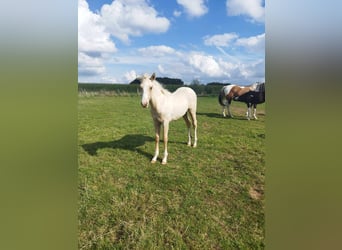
pixel 170 111
pixel 179 110
pixel 175 105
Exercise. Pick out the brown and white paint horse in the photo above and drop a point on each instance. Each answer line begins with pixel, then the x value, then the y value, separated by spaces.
pixel 251 95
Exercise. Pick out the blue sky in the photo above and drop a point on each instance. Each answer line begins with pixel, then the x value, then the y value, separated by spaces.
pixel 207 40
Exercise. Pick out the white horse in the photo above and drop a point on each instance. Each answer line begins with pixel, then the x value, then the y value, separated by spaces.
pixel 166 107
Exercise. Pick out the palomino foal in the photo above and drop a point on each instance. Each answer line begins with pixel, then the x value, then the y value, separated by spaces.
pixel 166 107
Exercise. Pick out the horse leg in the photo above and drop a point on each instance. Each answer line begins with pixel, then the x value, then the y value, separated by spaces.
pixel 248 111
pixel 188 124
pixel 166 131
pixel 224 110
pixel 254 114
pixel 228 107
pixel 194 124
pixel 157 132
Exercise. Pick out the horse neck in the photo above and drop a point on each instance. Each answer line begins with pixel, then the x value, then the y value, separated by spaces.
pixel 260 87
pixel 157 97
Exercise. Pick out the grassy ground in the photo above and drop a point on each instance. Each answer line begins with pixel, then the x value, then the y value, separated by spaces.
pixel 209 197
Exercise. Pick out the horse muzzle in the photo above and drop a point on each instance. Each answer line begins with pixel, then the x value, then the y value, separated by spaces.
pixel 144 105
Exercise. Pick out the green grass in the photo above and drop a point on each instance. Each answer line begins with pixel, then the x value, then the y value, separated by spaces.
pixel 209 197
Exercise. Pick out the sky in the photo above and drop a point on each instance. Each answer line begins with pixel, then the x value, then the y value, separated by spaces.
pixel 202 40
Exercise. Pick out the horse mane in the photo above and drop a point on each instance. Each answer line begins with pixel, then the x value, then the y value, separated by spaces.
pixel 260 87
pixel 160 87
pixel 257 87
pixel 155 83
pixel 253 86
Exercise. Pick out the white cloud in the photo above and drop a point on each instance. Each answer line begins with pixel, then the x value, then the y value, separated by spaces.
pixel 125 18
pixel 108 79
pixel 204 67
pixel 92 36
pixel 254 43
pixel 121 19
pixel 177 13
pixel 90 66
pixel 206 64
pixel 221 40
pixel 194 8
pixel 250 8
pixel 161 69
pixel 156 51
pixel 130 76
pixel 179 64
pixel 257 70
pixel 228 67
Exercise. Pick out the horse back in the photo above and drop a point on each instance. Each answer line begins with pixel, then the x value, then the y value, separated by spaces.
pixel 227 89
pixel 186 93
pixel 182 100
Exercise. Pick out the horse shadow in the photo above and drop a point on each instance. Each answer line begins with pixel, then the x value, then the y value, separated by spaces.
pixel 220 116
pixel 212 115
pixel 127 142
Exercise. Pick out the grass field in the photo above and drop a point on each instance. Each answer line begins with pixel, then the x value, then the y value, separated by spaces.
pixel 209 197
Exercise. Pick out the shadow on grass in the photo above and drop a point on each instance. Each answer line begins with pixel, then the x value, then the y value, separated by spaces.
pixel 220 116
pixel 212 115
pixel 263 136
pixel 127 142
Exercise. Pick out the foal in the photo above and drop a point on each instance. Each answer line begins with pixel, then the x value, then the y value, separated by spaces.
pixel 166 107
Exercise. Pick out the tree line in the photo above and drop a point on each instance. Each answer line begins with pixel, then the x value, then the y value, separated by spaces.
pixel 163 80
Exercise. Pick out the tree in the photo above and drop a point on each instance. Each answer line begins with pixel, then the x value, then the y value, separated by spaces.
pixel 195 82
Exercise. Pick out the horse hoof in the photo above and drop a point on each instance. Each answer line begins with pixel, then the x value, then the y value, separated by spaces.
pixel 164 162
pixel 153 161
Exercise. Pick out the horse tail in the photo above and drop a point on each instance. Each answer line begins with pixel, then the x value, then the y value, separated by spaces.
pixel 261 96
pixel 222 98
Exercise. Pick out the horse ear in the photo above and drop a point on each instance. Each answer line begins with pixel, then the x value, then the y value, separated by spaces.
pixel 153 77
